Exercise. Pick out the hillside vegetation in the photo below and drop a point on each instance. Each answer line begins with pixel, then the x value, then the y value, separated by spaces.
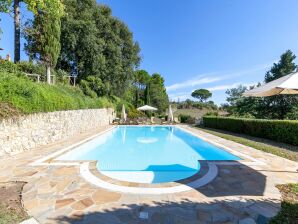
pixel 19 95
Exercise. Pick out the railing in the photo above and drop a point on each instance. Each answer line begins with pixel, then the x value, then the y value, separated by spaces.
pixel 36 77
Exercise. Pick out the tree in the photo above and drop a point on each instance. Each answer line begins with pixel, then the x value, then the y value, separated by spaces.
pixel 240 105
pixel 17 31
pixel 141 80
pixel 158 94
pixel 273 107
pixel 43 38
pixel 278 106
pixel 284 67
pixel 94 43
pixel 201 94
pixel 147 95
pixel 52 7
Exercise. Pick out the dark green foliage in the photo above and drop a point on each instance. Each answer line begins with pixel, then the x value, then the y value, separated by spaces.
pixel 23 67
pixel 7 66
pixel 149 90
pixel 94 43
pixel 95 84
pixel 278 130
pixel 30 97
pixel 293 114
pixel 289 205
pixel 284 67
pixel 43 40
pixel 243 106
pixel 134 113
pixel 158 94
pixel 259 143
pixel 187 119
pixel 141 82
pixel 273 107
pixel 84 85
pixel 30 68
pixel 201 94
pixel 212 113
pixel 279 106
pixel 287 215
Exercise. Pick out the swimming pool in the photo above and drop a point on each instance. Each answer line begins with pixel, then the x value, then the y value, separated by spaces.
pixel 147 154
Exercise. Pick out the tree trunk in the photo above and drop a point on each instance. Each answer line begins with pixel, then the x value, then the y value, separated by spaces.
pixel 49 74
pixel 17 31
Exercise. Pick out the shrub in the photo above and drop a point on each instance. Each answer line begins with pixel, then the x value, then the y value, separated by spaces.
pixel 30 97
pixel 293 114
pixel 10 67
pixel 212 113
pixel 278 130
pixel 134 113
pixel 61 76
pixel 24 67
pixel 186 119
pixel 84 85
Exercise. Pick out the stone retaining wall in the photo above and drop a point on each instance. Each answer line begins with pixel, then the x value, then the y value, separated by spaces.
pixel 30 131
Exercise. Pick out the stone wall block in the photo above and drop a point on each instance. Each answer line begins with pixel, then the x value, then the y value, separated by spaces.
pixel 30 131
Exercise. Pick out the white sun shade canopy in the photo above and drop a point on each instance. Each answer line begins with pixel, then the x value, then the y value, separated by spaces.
pixel 146 108
pixel 285 85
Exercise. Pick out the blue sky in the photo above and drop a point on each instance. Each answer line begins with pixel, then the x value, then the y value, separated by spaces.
pixel 213 44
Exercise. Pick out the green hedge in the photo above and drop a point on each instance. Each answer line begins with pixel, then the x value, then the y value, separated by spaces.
pixel 30 97
pixel 278 130
pixel 187 119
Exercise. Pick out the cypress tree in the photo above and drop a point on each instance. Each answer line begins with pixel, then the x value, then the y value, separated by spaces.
pixel 43 37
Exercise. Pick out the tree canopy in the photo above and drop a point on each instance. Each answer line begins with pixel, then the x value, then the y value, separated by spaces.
pixel 94 43
pixel 43 40
pixel 88 42
pixel 284 67
pixel 53 8
pixel 201 94
pixel 158 93
pixel 273 107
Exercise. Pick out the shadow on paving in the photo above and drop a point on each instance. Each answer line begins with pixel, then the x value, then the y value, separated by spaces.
pixel 232 180
pixel 235 180
pixel 183 212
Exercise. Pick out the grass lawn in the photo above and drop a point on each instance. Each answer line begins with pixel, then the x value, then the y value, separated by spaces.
pixel 289 206
pixel 280 149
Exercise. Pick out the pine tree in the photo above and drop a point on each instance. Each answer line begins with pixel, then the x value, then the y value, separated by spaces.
pixel 284 67
pixel 279 106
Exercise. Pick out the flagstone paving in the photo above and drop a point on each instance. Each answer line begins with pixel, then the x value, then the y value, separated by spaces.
pixel 239 194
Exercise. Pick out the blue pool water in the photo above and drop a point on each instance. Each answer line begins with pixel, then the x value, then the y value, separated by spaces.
pixel 153 154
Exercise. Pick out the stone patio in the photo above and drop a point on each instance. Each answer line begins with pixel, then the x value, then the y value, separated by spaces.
pixel 240 193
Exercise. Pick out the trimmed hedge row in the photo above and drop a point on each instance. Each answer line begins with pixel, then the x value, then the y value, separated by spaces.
pixel 278 130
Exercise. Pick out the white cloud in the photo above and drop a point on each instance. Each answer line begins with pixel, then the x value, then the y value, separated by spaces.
pixel 214 77
pixel 225 87
pixel 181 96
pixel 202 79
